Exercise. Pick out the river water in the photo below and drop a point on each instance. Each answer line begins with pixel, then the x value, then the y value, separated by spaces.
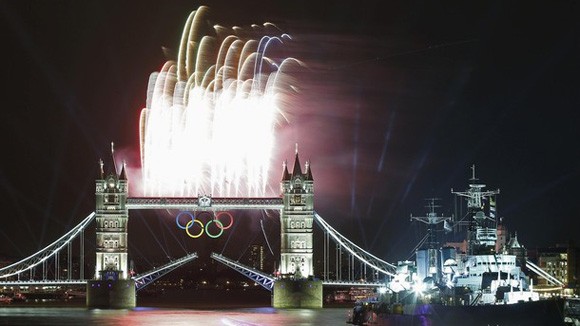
pixel 180 308
pixel 168 316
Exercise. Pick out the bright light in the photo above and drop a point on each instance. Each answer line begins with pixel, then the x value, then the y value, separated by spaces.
pixel 382 290
pixel 419 287
pixel 397 286
pixel 209 123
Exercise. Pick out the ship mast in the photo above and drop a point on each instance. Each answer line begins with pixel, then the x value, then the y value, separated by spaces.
pixel 431 220
pixel 482 231
pixel 427 257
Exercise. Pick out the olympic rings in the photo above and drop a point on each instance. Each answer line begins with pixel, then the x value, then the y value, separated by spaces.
pixel 177 220
pixel 217 216
pixel 219 225
pixel 204 228
pixel 189 224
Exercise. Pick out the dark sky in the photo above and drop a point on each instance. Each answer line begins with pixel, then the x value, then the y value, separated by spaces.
pixel 399 100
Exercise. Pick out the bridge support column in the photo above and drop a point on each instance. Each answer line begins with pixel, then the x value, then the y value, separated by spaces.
pixel 300 293
pixel 118 294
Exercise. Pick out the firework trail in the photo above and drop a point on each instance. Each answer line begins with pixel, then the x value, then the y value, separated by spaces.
pixel 210 118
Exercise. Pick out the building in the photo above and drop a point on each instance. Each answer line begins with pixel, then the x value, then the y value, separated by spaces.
pixel 514 247
pixel 256 258
pixel 559 261
pixel 502 233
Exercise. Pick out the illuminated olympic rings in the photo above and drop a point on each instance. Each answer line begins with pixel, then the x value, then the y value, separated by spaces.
pixel 204 228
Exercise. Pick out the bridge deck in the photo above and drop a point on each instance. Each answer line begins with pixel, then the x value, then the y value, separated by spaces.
pixel 204 203
pixel 43 282
pixel 354 284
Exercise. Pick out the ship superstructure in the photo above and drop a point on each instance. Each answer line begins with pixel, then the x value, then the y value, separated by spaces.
pixel 489 276
pixel 482 227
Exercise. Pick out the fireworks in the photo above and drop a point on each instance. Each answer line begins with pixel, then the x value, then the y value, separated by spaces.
pixel 209 123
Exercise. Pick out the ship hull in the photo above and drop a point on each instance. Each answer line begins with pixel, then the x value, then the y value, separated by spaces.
pixel 534 313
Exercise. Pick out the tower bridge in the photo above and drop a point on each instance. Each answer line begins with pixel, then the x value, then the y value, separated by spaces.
pixel 180 89
pixel 114 286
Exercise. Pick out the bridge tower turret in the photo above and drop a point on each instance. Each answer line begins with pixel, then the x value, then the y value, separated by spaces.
pixel 112 286
pixel 296 220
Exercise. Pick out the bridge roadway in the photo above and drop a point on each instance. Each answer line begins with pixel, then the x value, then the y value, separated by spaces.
pixel 43 282
pixel 83 282
pixel 204 203
pixel 354 283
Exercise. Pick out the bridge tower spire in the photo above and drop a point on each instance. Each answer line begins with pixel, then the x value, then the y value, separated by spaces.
pixel 112 286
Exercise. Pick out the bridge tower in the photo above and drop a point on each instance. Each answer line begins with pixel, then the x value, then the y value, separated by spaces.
pixel 296 221
pixel 297 289
pixel 112 286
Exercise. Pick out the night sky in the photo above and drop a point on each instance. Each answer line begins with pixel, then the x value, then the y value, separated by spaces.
pixel 398 101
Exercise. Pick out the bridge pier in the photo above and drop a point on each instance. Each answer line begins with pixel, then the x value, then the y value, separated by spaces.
pixel 119 294
pixel 302 293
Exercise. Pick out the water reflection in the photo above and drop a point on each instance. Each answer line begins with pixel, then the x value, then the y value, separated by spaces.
pixel 162 316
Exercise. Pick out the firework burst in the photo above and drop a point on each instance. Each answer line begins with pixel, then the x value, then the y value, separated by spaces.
pixel 210 117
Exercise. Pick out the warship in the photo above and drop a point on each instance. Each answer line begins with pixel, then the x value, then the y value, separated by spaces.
pixel 478 281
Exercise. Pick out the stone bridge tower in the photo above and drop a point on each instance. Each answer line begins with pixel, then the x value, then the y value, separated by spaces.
pixel 296 220
pixel 297 288
pixel 111 217
pixel 112 286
